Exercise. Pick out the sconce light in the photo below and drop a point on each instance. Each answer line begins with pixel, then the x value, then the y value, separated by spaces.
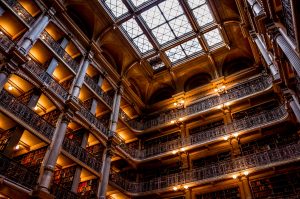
pixel 179 103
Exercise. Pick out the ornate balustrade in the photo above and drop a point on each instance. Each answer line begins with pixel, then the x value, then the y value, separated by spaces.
pixel 16 172
pixel 93 120
pixel 223 169
pixel 37 70
pixel 23 112
pixel 46 37
pixel 209 135
pixel 20 10
pixel 61 192
pixel 242 90
pixel 81 154
pixel 5 40
pixel 93 85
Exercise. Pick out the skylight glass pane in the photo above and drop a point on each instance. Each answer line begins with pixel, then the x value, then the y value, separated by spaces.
pixel 180 25
pixel 213 37
pixel 132 28
pixel 143 43
pixel 175 54
pixel 170 9
pixel 163 34
pixel 153 17
pixel 203 15
pixel 138 2
pixel 191 47
pixel 116 7
pixel 195 3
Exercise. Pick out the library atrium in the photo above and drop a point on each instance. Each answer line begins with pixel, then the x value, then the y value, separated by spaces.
pixel 151 99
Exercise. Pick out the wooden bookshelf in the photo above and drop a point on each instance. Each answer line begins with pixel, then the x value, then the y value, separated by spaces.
pixel 33 159
pixel 232 193
pixel 278 186
pixel 4 138
pixel 97 150
pixel 64 177
pixel 87 189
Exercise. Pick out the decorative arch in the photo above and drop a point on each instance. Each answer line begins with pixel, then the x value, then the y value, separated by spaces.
pixel 197 80
pixel 111 60
pixel 161 94
pixel 134 87
pixel 235 65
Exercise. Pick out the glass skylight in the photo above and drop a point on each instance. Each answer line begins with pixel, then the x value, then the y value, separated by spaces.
pixel 117 7
pixel 167 21
pixel 184 50
pixel 136 34
pixel 213 37
pixel 160 24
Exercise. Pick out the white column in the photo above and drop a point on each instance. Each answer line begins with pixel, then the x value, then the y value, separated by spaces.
pixel 53 64
pixel 266 57
pixel 34 99
pixel 35 31
pixel 2 11
pixel 3 79
pixel 54 151
pixel 108 155
pixel 81 74
pixel 94 101
pixel 256 7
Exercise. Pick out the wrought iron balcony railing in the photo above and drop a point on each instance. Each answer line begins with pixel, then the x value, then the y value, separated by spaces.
pixel 20 10
pixel 93 85
pixel 222 170
pixel 37 70
pixel 16 172
pixel 86 114
pixel 23 112
pixel 210 135
pixel 48 39
pixel 247 88
pixel 5 40
pixel 35 121
pixel 81 154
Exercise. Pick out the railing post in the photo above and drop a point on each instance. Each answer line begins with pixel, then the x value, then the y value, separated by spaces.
pixel 246 187
pixel 5 72
pixel 33 33
pixel 81 74
pixel 53 152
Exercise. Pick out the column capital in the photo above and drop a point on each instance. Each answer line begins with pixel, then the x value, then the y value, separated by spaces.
pixel 120 89
pixel 67 116
pixel 89 56
pixel 272 29
pixel 51 12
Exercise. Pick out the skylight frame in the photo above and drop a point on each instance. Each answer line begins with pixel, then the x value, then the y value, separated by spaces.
pixel 111 11
pixel 137 10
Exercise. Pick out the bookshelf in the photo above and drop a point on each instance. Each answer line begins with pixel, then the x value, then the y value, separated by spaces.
pixel 4 138
pixel 232 193
pixel 279 186
pixel 33 159
pixel 87 189
pixel 64 177
pixel 209 160
pixel 96 150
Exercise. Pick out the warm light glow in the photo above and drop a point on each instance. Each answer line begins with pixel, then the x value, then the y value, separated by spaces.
pixel 175 104
pixel 175 188
pixel 216 90
pixel 235 134
pixel 246 173
pixel 185 186
pixel 19 13
pixel 223 86
pixel 10 87
pixel 17 147
pixel 29 58
pixel 181 101
pixel 180 119
pixel 234 176
pixel 174 152
pixel 226 137
pixel 182 149
pixel 219 107
pixel 36 108
pixel 172 122
pixel 1 33
pixel 227 104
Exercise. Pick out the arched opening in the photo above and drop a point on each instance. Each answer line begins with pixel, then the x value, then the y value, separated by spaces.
pixel 197 80
pixel 236 65
pixel 161 94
